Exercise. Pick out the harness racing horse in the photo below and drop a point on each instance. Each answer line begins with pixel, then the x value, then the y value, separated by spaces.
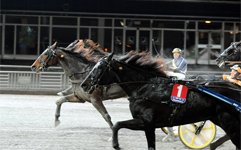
pixel 76 60
pixel 149 91
pixel 232 53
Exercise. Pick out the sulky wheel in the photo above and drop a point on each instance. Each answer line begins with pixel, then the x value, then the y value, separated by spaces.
pixel 197 135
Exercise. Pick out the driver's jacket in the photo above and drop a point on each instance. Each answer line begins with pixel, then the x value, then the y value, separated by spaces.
pixel 178 64
pixel 228 78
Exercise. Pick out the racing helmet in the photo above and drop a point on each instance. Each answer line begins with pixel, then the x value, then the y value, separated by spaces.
pixel 177 50
pixel 236 68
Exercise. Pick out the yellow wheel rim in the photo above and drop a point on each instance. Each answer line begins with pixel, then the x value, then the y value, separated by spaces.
pixel 201 140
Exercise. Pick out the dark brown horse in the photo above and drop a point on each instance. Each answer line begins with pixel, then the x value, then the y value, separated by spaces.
pixel 76 60
pixel 149 91
pixel 231 55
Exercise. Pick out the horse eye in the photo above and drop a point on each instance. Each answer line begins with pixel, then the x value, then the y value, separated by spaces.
pixel 45 54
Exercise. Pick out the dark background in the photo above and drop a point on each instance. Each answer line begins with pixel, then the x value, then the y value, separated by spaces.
pixel 208 8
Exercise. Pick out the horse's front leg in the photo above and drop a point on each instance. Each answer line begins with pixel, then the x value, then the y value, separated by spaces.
pixel 98 104
pixel 150 136
pixel 68 98
pixel 133 124
pixel 65 92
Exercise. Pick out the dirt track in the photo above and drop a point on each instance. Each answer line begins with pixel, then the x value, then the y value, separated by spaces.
pixel 27 123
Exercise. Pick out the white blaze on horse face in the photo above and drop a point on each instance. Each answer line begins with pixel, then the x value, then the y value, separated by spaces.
pixel 40 58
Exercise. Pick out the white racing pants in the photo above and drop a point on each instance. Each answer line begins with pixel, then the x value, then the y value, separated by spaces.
pixel 179 76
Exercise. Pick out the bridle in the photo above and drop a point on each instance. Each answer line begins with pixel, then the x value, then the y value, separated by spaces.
pixel 51 54
pixel 221 60
pixel 94 84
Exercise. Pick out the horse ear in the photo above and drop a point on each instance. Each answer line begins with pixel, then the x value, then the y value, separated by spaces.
pixel 110 56
pixel 54 45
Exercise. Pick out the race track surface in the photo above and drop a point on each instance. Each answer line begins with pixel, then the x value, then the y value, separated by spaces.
pixel 27 123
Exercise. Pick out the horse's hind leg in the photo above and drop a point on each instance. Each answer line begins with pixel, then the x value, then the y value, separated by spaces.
pixel 219 142
pixel 230 125
pixel 68 98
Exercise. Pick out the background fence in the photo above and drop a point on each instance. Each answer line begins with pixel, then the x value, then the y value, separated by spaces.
pixel 21 79
pixel 50 81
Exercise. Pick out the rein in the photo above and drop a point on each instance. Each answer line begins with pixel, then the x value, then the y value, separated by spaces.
pixel 134 82
pixel 174 81
pixel 213 86
pixel 236 62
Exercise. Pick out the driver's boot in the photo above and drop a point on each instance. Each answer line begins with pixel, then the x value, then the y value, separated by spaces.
pixel 170 136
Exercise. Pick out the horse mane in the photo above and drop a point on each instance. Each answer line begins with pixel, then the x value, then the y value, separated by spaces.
pixel 145 62
pixel 85 49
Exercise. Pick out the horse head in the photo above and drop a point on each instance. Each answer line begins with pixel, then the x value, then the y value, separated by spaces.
pixel 232 53
pixel 92 80
pixel 46 59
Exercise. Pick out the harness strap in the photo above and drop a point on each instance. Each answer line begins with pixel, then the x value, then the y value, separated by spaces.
pixel 104 91
pixel 172 115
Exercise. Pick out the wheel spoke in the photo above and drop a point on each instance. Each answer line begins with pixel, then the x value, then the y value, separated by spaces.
pixel 188 131
pixel 207 128
pixel 203 138
pixel 193 139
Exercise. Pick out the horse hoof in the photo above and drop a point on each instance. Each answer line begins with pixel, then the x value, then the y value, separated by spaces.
pixel 211 147
pixel 117 147
pixel 60 94
pixel 56 123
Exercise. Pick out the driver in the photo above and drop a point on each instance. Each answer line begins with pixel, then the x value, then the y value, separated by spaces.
pixel 235 76
pixel 178 65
